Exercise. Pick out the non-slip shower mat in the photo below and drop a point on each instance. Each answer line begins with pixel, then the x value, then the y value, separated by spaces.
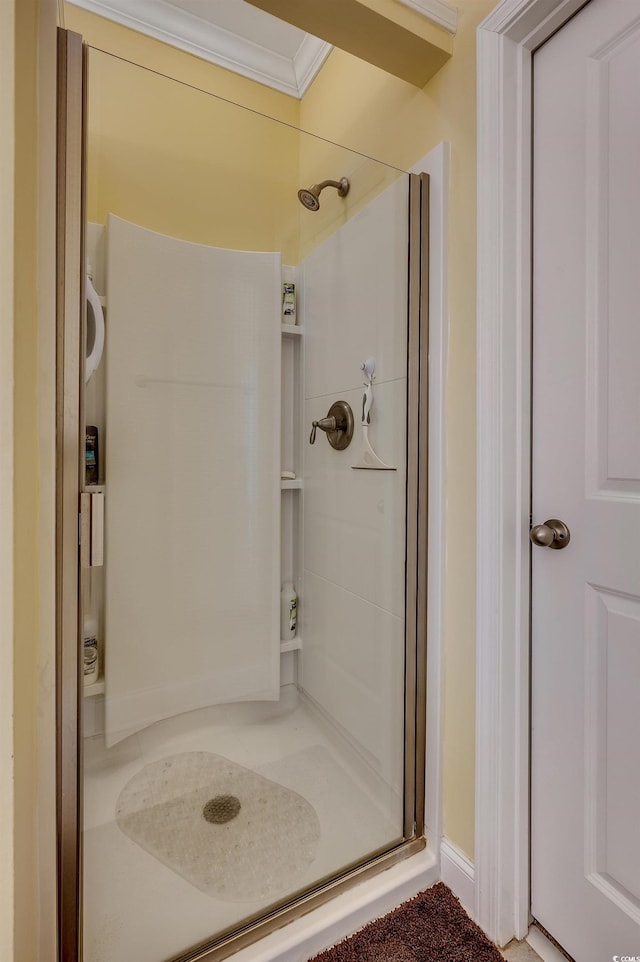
pixel 233 834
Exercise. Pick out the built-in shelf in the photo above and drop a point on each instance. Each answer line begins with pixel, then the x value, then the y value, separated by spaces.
pixel 94 489
pixel 288 484
pixel 96 689
pixel 294 645
pixel 292 329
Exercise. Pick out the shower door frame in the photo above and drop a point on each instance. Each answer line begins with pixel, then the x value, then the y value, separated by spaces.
pixel 71 145
pixel 70 163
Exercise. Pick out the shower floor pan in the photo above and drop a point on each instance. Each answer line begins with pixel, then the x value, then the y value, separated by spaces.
pixel 137 907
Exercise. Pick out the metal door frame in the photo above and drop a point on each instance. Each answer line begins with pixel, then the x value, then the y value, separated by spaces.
pixel 69 298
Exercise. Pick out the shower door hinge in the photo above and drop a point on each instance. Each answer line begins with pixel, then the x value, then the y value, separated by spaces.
pixel 91 529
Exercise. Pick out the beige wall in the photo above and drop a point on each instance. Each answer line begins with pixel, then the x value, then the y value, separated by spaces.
pixel 364 108
pixel 186 164
pixel 27 289
pixel 224 173
pixel 7 141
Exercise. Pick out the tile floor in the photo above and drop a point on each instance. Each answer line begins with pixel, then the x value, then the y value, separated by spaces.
pixel 520 952
pixel 135 907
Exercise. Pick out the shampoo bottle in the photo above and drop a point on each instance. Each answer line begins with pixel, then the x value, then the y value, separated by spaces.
pixel 288 612
pixel 289 303
pixel 91 667
pixel 92 456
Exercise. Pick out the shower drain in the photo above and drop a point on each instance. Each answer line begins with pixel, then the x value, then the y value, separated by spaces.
pixel 221 809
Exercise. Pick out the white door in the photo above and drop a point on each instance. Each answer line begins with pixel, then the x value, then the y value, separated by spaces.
pixel 586 472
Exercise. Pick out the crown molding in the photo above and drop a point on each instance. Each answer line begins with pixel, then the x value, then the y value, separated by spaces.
pixel 440 12
pixel 165 22
pixel 310 56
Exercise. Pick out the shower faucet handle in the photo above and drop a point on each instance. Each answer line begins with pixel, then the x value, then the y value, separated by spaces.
pixel 338 426
pixel 325 424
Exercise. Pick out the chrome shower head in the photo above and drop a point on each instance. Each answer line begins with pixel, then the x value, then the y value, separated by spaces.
pixel 309 197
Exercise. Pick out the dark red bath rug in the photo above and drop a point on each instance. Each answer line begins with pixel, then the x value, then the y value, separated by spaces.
pixel 432 927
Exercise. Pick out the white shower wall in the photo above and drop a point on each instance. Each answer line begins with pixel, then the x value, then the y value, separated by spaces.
pixel 192 475
pixel 353 584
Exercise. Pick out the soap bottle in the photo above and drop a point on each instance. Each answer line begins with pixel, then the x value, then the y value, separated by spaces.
pixel 92 456
pixel 288 303
pixel 288 612
pixel 91 666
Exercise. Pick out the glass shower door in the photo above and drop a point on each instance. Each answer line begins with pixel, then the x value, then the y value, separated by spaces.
pixel 234 759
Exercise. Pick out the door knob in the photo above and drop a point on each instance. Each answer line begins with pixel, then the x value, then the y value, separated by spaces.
pixel 551 534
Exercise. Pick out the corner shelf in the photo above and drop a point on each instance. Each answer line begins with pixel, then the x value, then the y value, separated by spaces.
pixel 96 689
pixel 292 329
pixel 294 645
pixel 290 485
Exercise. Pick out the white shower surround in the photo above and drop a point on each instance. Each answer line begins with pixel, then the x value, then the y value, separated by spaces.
pixel 353 597
pixel 192 461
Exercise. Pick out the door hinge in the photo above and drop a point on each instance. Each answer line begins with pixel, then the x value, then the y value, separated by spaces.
pixel 91 529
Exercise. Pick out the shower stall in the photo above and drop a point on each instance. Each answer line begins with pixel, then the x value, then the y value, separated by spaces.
pixel 242 642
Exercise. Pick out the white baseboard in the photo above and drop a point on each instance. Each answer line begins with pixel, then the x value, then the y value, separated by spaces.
pixel 458 873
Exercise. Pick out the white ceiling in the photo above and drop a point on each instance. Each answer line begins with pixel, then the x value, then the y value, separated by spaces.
pixel 230 33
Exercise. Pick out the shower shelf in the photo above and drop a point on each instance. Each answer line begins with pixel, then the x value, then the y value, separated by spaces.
pixel 292 329
pixel 294 645
pixel 291 484
pixel 90 691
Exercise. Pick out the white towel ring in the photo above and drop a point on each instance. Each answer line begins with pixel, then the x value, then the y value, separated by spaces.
pixel 94 307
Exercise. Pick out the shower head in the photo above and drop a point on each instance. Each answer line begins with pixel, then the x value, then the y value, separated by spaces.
pixel 309 197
